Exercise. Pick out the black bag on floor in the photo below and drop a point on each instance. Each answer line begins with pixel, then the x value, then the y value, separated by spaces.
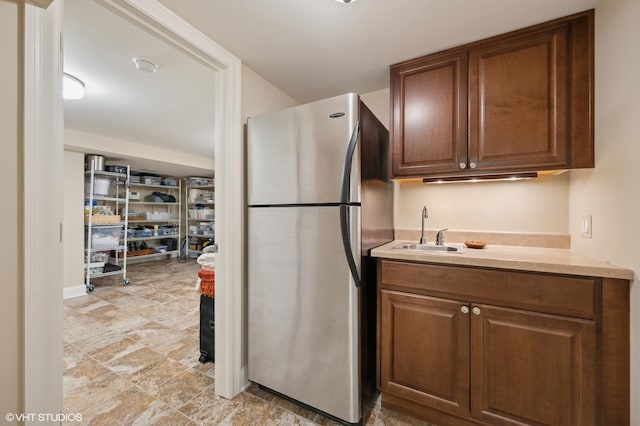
pixel 207 329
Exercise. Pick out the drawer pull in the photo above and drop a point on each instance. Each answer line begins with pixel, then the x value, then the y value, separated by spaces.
pixel 476 311
pixel 464 309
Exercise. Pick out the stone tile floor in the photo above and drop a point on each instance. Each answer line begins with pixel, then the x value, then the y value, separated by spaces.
pixel 131 358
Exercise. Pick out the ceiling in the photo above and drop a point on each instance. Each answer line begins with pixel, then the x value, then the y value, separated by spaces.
pixel 170 109
pixel 312 49
pixel 309 49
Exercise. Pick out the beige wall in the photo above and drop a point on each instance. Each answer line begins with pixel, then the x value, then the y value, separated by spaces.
pixel 75 140
pixel 11 297
pixel 73 236
pixel 535 206
pixel 610 192
pixel 259 96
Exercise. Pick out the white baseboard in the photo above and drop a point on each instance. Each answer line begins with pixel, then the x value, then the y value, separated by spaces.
pixel 71 292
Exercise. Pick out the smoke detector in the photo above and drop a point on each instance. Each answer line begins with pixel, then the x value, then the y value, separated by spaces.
pixel 145 65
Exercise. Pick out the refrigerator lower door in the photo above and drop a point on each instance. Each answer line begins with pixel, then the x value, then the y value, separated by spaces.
pixel 303 309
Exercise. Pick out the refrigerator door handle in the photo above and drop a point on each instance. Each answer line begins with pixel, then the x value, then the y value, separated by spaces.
pixel 346 170
pixel 344 209
pixel 344 226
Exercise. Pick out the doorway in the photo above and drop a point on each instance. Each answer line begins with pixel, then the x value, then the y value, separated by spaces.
pixel 152 16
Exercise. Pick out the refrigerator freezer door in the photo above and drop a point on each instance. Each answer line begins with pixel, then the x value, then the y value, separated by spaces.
pixel 297 155
pixel 304 308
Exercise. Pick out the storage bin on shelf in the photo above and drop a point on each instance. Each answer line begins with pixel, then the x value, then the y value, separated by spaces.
pixel 158 216
pixel 105 237
pixel 205 229
pixel 151 180
pixel 99 214
pixel 99 257
pixel 199 181
pixel 167 181
pixel 95 268
pixel 204 213
pixel 103 186
pixel 99 219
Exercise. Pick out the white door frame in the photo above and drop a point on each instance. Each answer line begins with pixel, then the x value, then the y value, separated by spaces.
pixel 230 375
pixel 42 210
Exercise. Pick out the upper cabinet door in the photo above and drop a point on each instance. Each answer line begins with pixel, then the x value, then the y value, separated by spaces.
pixel 429 121
pixel 519 103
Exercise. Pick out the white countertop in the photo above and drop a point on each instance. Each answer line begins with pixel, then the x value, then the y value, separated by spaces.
pixel 536 259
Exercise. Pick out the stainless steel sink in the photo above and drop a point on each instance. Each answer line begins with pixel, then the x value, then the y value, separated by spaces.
pixel 454 248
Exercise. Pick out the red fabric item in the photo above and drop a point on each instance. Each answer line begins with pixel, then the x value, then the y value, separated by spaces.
pixel 207 282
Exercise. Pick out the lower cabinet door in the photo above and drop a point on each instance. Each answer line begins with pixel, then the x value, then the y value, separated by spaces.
pixel 532 368
pixel 425 350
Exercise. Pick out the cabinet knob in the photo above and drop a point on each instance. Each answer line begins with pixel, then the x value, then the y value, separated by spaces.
pixel 464 309
pixel 476 311
pixel 463 165
pixel 472 165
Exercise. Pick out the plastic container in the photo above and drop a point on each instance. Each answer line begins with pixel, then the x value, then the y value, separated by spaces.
pixel 160 249
pixel 102 186
pixel 151 180
pixel 158 215
pixel 105 237
pixel 207 214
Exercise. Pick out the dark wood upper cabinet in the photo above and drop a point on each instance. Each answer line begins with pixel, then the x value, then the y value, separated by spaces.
pixel 429 125
pixel 522 101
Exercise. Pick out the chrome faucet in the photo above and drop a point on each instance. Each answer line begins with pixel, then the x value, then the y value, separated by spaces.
pixel 440 237
pixel 424 215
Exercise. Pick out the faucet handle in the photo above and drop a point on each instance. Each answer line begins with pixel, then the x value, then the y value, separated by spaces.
pixel 440 237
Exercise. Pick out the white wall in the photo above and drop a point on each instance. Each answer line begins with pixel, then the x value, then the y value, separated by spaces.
pixel 536 206
pixel 11 297
pixel 610 191
pixel 73 225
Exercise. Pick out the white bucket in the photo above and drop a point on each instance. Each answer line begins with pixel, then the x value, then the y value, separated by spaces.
pixel 101 186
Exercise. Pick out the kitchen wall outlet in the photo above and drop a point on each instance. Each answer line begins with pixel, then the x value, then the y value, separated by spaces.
pixel 585 226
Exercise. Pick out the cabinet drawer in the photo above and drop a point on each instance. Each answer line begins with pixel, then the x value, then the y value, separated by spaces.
pixel 555 294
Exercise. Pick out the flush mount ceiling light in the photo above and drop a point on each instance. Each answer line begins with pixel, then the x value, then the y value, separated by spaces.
pixel 145 65
pixel 72 87
pixel 346 1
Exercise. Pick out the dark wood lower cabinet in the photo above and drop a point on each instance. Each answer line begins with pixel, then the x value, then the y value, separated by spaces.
pixel 412 366
pixel 532 368
pixel 459 358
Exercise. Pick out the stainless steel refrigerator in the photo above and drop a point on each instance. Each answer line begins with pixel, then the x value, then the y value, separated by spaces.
pixel 319 199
